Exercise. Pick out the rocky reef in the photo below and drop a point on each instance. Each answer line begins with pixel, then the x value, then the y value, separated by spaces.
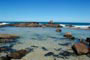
pixel 7 38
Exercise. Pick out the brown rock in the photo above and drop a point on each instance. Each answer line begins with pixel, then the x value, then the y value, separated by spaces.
pixel 80 48
pixel 8 36
pixel 69 35
pixel 32 24
pixel 18 54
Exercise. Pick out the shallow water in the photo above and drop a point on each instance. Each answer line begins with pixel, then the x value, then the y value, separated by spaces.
pixel 42 37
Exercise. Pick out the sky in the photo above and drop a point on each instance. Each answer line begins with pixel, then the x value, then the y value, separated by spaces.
pixel 45 10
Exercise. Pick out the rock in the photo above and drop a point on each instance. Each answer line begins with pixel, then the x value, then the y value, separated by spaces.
pixel 34 46
pixel 5 38
pixel 88 40
pixel 64 44
pixel 31 24
pixel 58 30
pixel 52 25
pixel 69 35
pixel 8 36
pixel 49 54
pixel 18 54
pixel 58 49
pixel 6 48
pixel 44 49
pixel 89 49
pixel 65 54
pixel 80 48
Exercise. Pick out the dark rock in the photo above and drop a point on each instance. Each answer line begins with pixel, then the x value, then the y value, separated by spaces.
pixel 58 30
pixel 80 48
pixel 49 54
pixel 58 49
pixel 65 54
pixel 34 46
pixel 18 54
pixel 8 36
pixel 64 44
pixel 6 48
pixel 44 49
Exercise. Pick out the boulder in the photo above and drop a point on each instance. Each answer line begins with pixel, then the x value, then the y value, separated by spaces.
pixel 80 48
pixel 58 30
pixel 5 38
pixel 8 36
pixel 69 35
pixel 18 54
pixel 49 54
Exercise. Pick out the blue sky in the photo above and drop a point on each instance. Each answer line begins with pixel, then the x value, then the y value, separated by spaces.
pixel 45 10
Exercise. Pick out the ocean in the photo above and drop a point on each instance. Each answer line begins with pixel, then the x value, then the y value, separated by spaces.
pixel 72 23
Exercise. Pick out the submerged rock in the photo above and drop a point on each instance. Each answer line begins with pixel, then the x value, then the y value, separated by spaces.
pixel 6 48
pixel 34 46
pixel 69 35
pixel 4 38
pixel 49 54
pixel 58 49
pixel 64 44
pixel 18 54
pixel 65 54
pixel 58 30
pixel 8 36
pixel 45 49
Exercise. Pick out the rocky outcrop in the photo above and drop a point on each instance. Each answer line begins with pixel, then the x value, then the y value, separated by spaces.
pixel 32 24
pixel 52 25
pixel 7 38
pixel 18 54
pixel 80 48
pixel 69 35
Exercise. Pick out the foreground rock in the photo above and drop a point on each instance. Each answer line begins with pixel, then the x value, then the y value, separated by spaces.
pixel 18 54
pixel 7 38
pixel 80 48
pixel 69 35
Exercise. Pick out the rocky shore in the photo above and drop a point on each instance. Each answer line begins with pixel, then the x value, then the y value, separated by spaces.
pixel 4 38
pixel 48 48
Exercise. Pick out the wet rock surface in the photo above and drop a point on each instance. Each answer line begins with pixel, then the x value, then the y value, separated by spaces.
pixel 49 54
pixel 45 49
pixel 5 38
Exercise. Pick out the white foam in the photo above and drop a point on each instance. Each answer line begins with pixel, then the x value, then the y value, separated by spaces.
pixel 3 23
